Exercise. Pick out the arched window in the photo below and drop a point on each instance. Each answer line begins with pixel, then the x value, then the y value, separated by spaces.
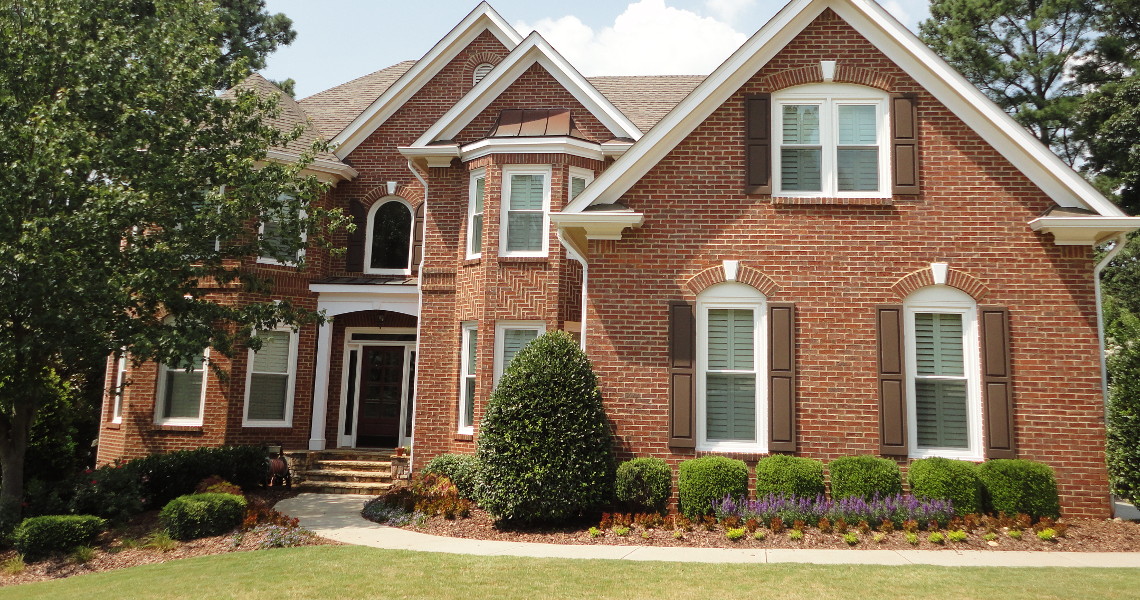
pixel 389 246
pixel 481 72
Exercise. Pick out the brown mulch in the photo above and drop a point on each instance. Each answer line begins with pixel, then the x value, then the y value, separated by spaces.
pixel 116 549
pixel 1083 535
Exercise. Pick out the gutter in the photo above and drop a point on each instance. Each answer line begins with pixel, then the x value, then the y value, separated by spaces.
pixel 420 317
pixel 1121 238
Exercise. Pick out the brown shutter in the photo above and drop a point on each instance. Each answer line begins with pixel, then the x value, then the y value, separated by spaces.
pixel 782 377
pixel 682 380
pixel 354 257
pixel 758 131
pixel 892 382
pixel 904 144
pixel 418 238
pixel 997 388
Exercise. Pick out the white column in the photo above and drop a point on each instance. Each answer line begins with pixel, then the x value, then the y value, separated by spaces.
pixel 321 386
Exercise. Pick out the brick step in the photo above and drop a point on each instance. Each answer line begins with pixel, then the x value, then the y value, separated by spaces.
pixel 353 465
pixel 345 475
pixel 344 487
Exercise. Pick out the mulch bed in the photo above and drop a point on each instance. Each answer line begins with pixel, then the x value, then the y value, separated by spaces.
pixel 111 554
pixel 1083 535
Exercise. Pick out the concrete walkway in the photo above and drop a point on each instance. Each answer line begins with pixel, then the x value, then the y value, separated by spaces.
pixel 337 517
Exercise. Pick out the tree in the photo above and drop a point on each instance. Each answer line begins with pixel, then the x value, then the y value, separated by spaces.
pixel 130 189
pixel 1122 349
pixel 1020 53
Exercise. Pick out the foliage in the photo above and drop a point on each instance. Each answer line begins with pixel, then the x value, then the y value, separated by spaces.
pixel 429 494
pixel 282 536
pixel 216 485
pixel 936 537
pixel 202 515
pixel 111 491
pixel 545 449
pixel 160 540
pixel 13 565
pixel 957 535
pixel 169 475
pixel 1015 486
pixel 258 513
pixel 780 474
pixel 703 481
pixel 821 511
pixel 851 539
pixel 1047 535
pixel 37 537
pixel 735 534
pixel 946 479
pixel 644 483
pixel 461 469
pixel 864 476
pixel 378 510
pixel 82 554
pixel 1122 350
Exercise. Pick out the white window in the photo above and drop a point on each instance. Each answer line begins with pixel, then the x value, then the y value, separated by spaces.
pixel 467 360
pixel 481 72
pixel 510 337
pixel 944 409
pixel 275 250
pixel 475 214
pixel 182 392
pixel 525 211
pixel 732 411
pixel 270 379
pixel 579 179
pixel 832 140
pixel 120 387
pixel 388 249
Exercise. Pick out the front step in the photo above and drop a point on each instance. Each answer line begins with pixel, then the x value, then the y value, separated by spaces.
pixel 345 487
pixel 346 470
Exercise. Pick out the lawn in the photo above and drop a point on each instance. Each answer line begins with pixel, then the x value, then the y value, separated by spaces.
pixel 330 572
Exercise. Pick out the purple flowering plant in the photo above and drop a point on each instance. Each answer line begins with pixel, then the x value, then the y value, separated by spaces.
pixel 895 508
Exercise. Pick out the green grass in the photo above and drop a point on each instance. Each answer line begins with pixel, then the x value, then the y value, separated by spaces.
pixel 351 572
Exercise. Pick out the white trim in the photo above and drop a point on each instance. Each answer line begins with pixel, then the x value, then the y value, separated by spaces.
pixel 507 172
pixel 328 171
pixel 372 210
pixel 942 299
pixel 476 175
pixel 120 387
pixel 731 268
pixel 599 225
pixel 289 387
pixel 483 18
pixel 577 173
pixel 500 329
pixel 160 395
pixel 349 440
pixel 939 271
pixel 1084 231
pixel 467 328
pixel 731 295
pixel 531 145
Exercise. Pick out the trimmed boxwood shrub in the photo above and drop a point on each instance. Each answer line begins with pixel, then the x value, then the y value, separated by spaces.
pixel 945 479
pixel 172 474
pixel 702 480
pixel 545 453
pixel 782 475
pixel 37 537
pixel 461 469
pixel 202 515
pixel 644 484
pixel 864 476
pixel 1014 486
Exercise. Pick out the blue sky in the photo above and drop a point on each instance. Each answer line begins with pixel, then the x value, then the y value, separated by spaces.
pixel 339 40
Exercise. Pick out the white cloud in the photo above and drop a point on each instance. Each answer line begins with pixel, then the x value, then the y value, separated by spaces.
pixel 649 38
pixel 728 10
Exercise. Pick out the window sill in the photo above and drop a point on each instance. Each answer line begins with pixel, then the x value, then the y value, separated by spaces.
pixel 831 201
pixel 266 425
pixel 113 425
pixel 744 455
pixel 196 429
pixel 467 262
pixel 523 259
pixel 464 437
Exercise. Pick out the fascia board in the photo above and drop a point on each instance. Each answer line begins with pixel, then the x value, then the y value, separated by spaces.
pixel 482 18
pixel 551 145
pixel 1069 231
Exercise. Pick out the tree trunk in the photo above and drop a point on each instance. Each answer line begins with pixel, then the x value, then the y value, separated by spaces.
pixel 14 435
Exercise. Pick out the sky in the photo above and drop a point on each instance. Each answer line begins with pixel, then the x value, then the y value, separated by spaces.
pixel 340 40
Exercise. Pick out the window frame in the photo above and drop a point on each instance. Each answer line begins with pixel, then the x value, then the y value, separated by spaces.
pixel 942 299
pixel 467 329
pixel 120 387
pixel 269 260
pixel 577 173
pixel 501 328
pixel 476 175
pixel 160 395
pixel 368 221
pixel 507 173
pixel 739 296
pixel 290 386
pixel 829 96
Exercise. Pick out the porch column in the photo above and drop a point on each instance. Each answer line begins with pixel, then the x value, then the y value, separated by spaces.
pixel 321 386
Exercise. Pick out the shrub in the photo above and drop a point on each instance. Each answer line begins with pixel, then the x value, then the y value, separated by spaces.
pixel 545 451
pixel 863 477
pixel 167 476
pixel 945 479
pixel 461 469
pixel 429 494
pixel 936 538
pixel 957 536
pixel 202 515
pixel 782 475
pixel 644 484
pixel 216 485
pixel 1013 486
pixel 37 537
pixel 735 534
pixel 902 511
pixel 1122 354
pixel 111 491
pixel 701 481
pixel 851 539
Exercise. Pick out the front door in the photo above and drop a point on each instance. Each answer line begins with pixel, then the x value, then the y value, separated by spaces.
pixel 381 387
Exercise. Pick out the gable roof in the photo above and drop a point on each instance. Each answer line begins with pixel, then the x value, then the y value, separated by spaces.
pixel 645 99
pixel 336 107
pixel 483 18
pixel 949 87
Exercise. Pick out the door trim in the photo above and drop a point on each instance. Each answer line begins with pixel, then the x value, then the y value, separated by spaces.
pixel 349 440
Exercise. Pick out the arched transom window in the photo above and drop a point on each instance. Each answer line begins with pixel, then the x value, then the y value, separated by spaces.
pixel 389 246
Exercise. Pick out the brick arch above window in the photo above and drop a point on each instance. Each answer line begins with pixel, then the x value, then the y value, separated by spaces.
pixel 480 58
pixel 844 73
pixel 954 278
pixel 744 274
pixel 412 194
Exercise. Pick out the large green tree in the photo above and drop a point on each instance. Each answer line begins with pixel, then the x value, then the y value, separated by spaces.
pixel 130 188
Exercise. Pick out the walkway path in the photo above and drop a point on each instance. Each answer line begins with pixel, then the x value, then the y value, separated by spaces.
pixel 338 517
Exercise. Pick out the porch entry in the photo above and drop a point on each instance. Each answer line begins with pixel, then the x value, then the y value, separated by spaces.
pixel 378 393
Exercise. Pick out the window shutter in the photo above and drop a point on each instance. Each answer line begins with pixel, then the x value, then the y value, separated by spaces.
pixel 782 377
pixel 758 132
pixel 904 144
pixel 997 383
pixel 418 238
pixel 892 382
pixel 682 382
pixel 354 257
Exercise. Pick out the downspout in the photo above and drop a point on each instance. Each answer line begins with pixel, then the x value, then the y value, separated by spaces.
pixel 1120 241
pixel 419 316
pixel 585 278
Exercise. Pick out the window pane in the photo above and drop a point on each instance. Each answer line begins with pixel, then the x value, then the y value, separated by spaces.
pixel 267 396
pixel 940 408
pixel 857 124
pixel 391 236
pixel 472 339
pixel 183 394
pixel 577 184
pixel 524 231
pixel 274 354
pixel 800 169
pixel 476 234
pixel 938 345
pixel 801 124
pixel 276 245
pixel 858 169
pixel 526 192
pixel 480 186
pixel 513 341
pixel 730 407
pixel 731 340
pixel 468 402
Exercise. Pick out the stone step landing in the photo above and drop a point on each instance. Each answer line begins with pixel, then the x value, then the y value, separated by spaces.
pixel 346 470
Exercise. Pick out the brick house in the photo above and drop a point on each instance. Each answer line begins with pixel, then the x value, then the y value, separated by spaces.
pixel 832 245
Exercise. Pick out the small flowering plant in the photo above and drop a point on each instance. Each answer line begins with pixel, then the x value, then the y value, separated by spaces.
pixel 895 509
